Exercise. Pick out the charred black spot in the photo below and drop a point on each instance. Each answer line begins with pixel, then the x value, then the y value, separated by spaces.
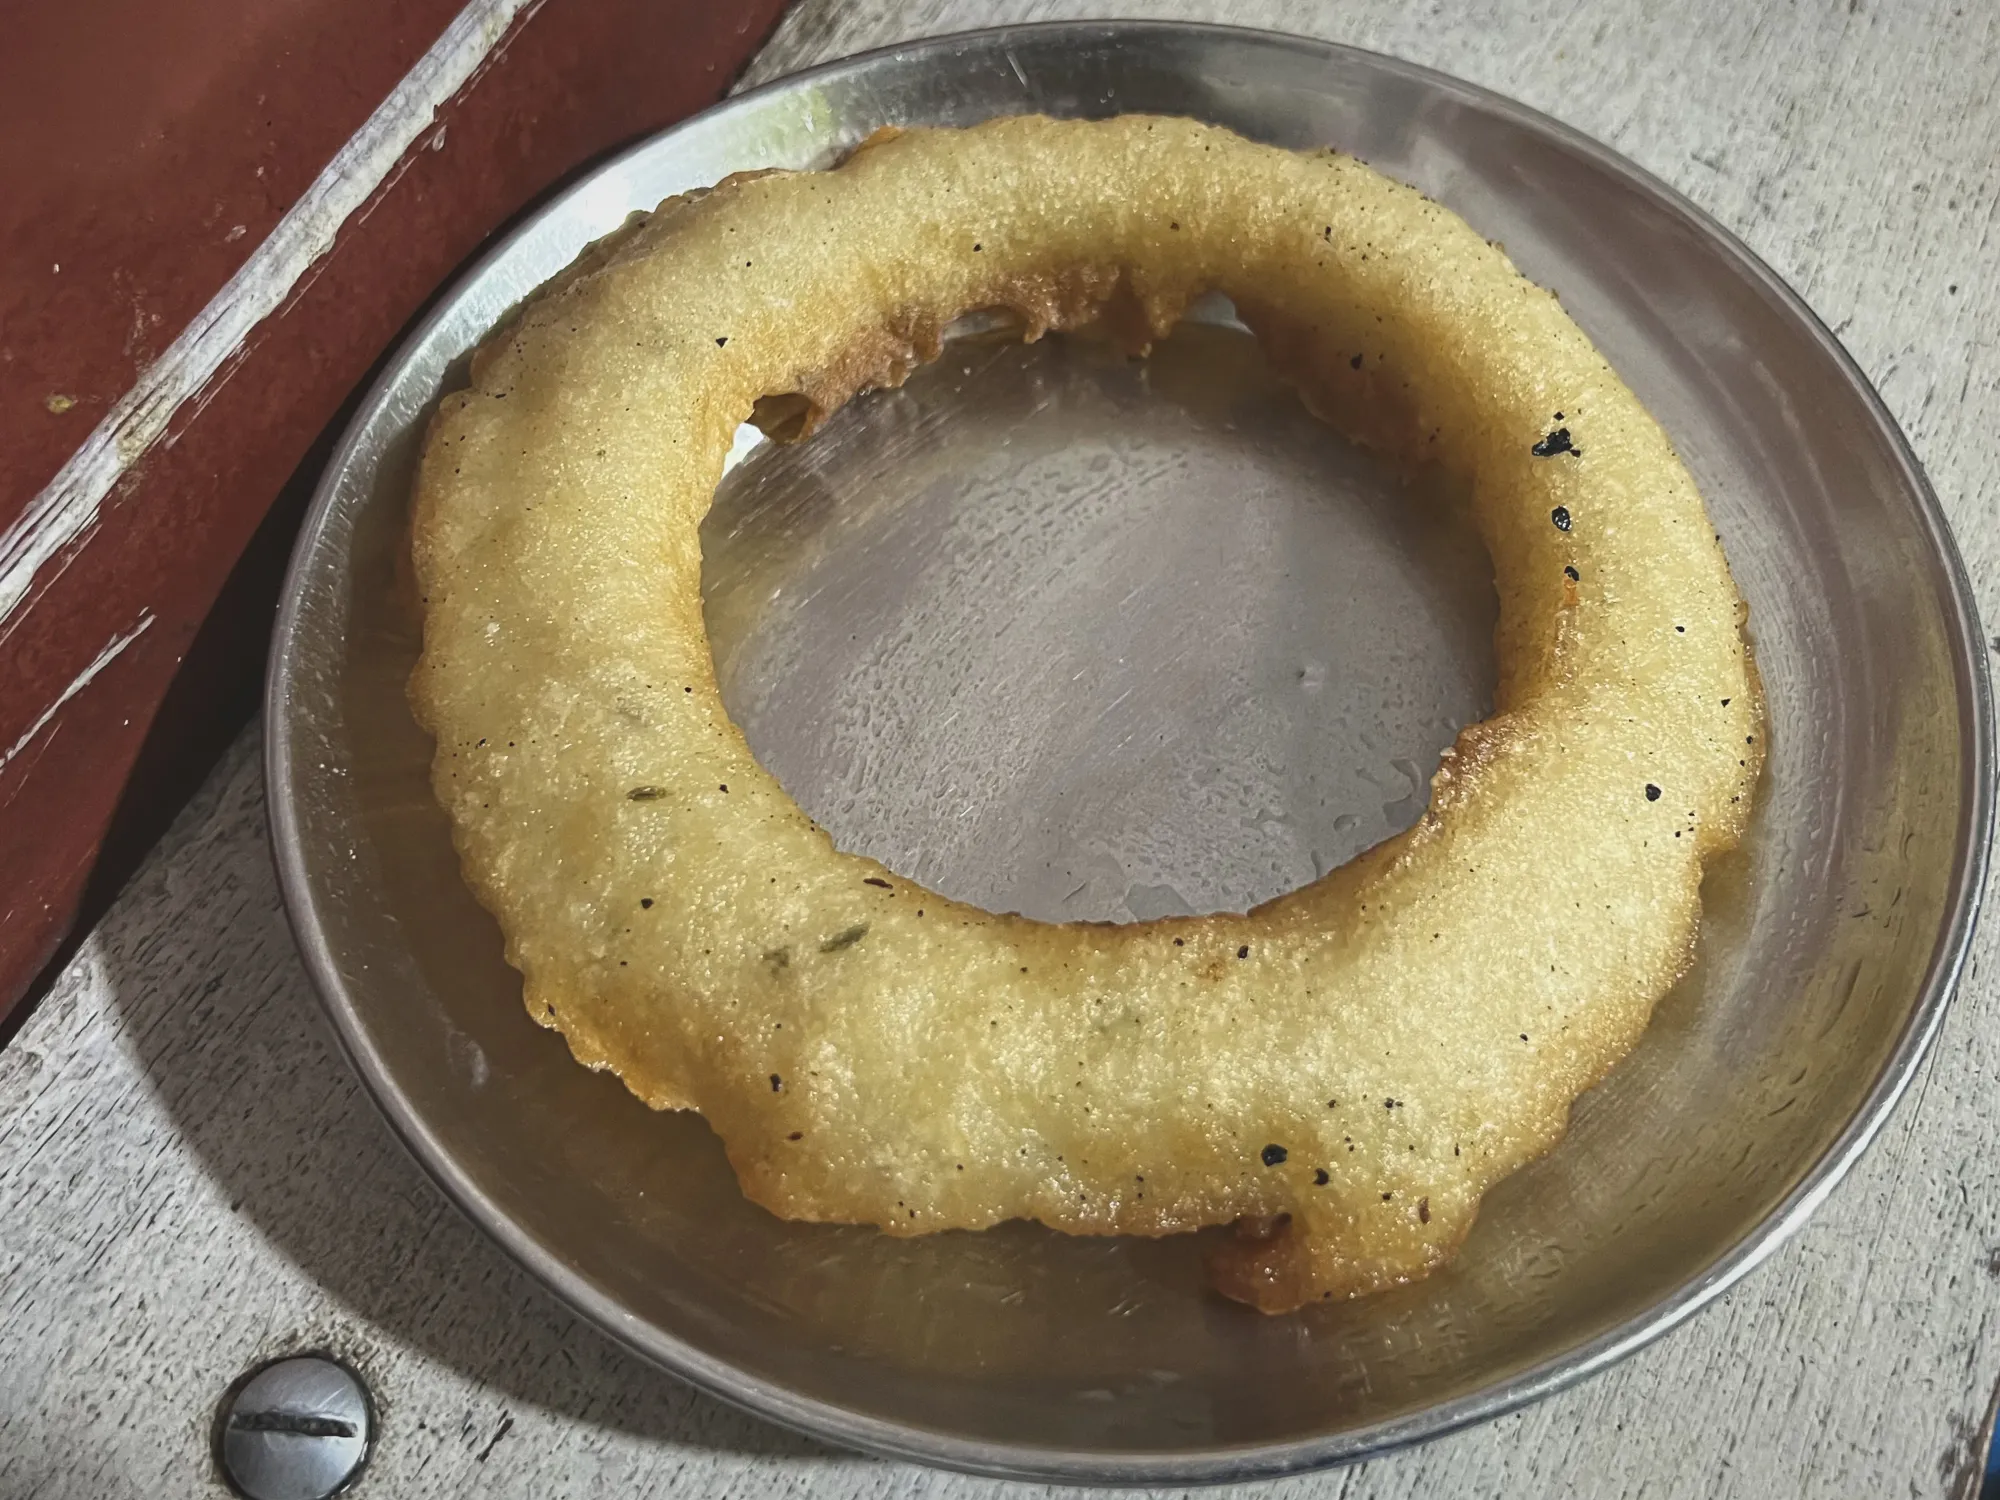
pixel 846 939
pixel 1321 1177
pixel 1560 515
pixel 1652 792
pixel 1556 442
pixel 1274 1155
pixel 876 880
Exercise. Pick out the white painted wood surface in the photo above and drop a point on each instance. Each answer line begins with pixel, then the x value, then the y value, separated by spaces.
pixel 190 1179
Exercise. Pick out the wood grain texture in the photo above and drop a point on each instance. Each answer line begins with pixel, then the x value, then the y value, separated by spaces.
pixel 189 1178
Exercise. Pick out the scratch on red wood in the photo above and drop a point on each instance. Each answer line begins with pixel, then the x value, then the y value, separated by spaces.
pixel 83 680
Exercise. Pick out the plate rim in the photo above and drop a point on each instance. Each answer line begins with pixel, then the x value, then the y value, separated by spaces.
pixel 891 1439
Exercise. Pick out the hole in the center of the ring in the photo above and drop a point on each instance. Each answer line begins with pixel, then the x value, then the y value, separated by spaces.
pixel 1054 631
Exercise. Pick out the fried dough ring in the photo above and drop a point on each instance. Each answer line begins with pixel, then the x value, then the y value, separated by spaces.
pixel 1355 1062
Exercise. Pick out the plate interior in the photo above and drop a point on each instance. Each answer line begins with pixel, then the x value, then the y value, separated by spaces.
pixel 1058 502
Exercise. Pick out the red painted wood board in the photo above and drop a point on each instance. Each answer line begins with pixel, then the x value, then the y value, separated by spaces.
pixel 158 390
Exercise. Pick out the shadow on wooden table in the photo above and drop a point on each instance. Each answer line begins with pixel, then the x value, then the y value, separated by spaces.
pixel 215 1004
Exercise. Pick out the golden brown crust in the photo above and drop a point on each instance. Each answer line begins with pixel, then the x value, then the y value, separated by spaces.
pixel 1360 1059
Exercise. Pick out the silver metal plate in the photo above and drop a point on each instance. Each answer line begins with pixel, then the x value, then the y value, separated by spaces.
pixel 1090 640
pixel 1059 632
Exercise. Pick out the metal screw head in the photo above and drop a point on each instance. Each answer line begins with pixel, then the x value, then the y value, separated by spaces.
pixel 294 1429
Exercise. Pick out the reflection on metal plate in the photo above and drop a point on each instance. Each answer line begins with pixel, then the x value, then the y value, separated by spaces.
pixel 1055 631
